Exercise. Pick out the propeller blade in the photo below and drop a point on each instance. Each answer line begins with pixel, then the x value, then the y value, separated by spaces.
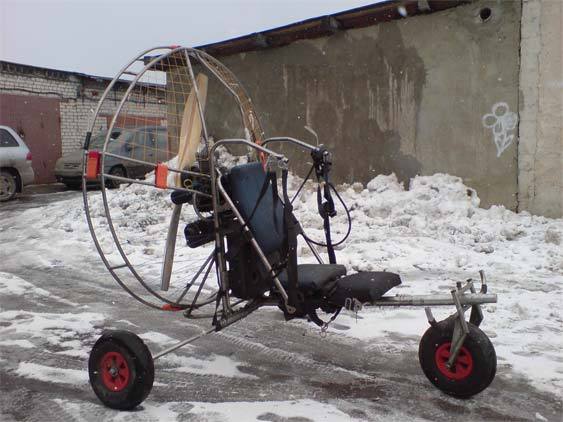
pixel 190 136
pixel 170 248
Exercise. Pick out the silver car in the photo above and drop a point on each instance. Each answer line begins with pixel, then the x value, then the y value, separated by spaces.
pixel 15 164
pixel 147 143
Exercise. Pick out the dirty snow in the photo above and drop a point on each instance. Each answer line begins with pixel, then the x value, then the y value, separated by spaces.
pixel 433 233
pixel 306 410
pixel 217 365
pixel 52 374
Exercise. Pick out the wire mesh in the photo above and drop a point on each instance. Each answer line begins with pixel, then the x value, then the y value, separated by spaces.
pixel 141 122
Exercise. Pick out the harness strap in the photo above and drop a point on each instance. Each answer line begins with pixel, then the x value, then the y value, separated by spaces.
pixel 290 243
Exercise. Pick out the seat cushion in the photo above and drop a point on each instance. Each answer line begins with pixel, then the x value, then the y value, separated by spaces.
pixel 246 182
pixel 314 276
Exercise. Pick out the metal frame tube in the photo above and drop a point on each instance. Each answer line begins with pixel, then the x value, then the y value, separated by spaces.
pixel 435 300
pixel 288 139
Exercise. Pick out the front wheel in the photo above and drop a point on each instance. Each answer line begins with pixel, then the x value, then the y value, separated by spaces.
pixel 121 370
pixel 8 186
pixel 474 368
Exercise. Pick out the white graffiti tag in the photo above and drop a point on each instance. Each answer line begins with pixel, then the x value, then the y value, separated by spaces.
pixel 501 121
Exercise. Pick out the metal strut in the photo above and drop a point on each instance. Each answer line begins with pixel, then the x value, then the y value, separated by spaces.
pixel 463 302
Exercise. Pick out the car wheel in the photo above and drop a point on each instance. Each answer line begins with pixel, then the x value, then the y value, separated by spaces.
pixel 115 171
pixel 8 186
pixel 73 185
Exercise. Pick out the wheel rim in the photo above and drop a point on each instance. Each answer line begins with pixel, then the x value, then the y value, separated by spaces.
pixel 7 186
pixel 463 366
pixel 115 371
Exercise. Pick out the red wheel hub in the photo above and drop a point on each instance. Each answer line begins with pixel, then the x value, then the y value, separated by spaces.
pixel 462 367
pixel 115 371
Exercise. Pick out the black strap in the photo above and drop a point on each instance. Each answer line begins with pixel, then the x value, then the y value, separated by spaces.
pixel 290 244
pixel 326 211
pixel 270 178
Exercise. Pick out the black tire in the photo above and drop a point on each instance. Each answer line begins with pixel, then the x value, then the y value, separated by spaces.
pixel 73 185
pixel 116 171
pixel 121 370
pixel 474 369
pixel 8 186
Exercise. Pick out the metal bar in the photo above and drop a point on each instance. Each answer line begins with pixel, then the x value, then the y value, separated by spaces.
pixel 468 286
pixel 221 266
pixel 201 284
pixel 249 144
pixel 476 316
pixel 181 344
pixel 194 278
pixel 142 182
pixel 458 337
pixel 289 140
pixel 199 106
pixel 456 296
pixel 429 316
pixel 434 300
pixel 117 267
pixel 313 249
pixel 146 163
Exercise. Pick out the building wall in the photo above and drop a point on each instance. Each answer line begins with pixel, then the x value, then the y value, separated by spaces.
pixel 541 108
pixel 410 96
pixel 78 98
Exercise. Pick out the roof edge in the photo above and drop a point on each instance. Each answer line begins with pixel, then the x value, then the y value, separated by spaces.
pixel 321 26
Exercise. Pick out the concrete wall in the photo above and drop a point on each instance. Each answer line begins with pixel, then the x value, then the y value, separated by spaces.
pixel 408 96
pixel 541 108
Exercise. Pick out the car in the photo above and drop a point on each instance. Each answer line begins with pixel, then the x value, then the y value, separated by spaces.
pixel 15 164
pixel 148 144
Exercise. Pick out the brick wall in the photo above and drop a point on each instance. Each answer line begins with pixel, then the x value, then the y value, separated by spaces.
pixel 78 95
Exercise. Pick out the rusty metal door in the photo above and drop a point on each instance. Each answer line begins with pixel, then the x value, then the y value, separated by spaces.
pixel 37 120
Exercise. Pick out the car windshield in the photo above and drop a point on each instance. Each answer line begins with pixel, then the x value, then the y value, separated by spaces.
pixel 97 141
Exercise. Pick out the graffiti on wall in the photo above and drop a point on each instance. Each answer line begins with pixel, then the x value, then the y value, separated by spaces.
pixel 501 122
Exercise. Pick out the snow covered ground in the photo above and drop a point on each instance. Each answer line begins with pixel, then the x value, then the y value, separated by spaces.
pixel 432 233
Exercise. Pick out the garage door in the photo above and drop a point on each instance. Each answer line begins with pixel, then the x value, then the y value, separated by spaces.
pixel 37 121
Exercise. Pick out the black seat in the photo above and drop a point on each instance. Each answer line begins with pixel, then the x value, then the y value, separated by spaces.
pixel 314 277
pixel 245 183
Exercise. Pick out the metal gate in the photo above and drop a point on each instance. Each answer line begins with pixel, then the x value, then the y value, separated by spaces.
pixel 37 120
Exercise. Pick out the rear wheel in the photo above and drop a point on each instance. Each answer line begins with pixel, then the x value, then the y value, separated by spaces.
pixel 115 171
pixel 121 370
pixel 8 185
pixel 474 368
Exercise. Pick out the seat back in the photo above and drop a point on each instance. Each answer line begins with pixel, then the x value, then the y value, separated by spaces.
pixel 245 183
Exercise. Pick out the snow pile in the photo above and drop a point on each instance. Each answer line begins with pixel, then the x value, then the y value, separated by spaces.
pixel 435 234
